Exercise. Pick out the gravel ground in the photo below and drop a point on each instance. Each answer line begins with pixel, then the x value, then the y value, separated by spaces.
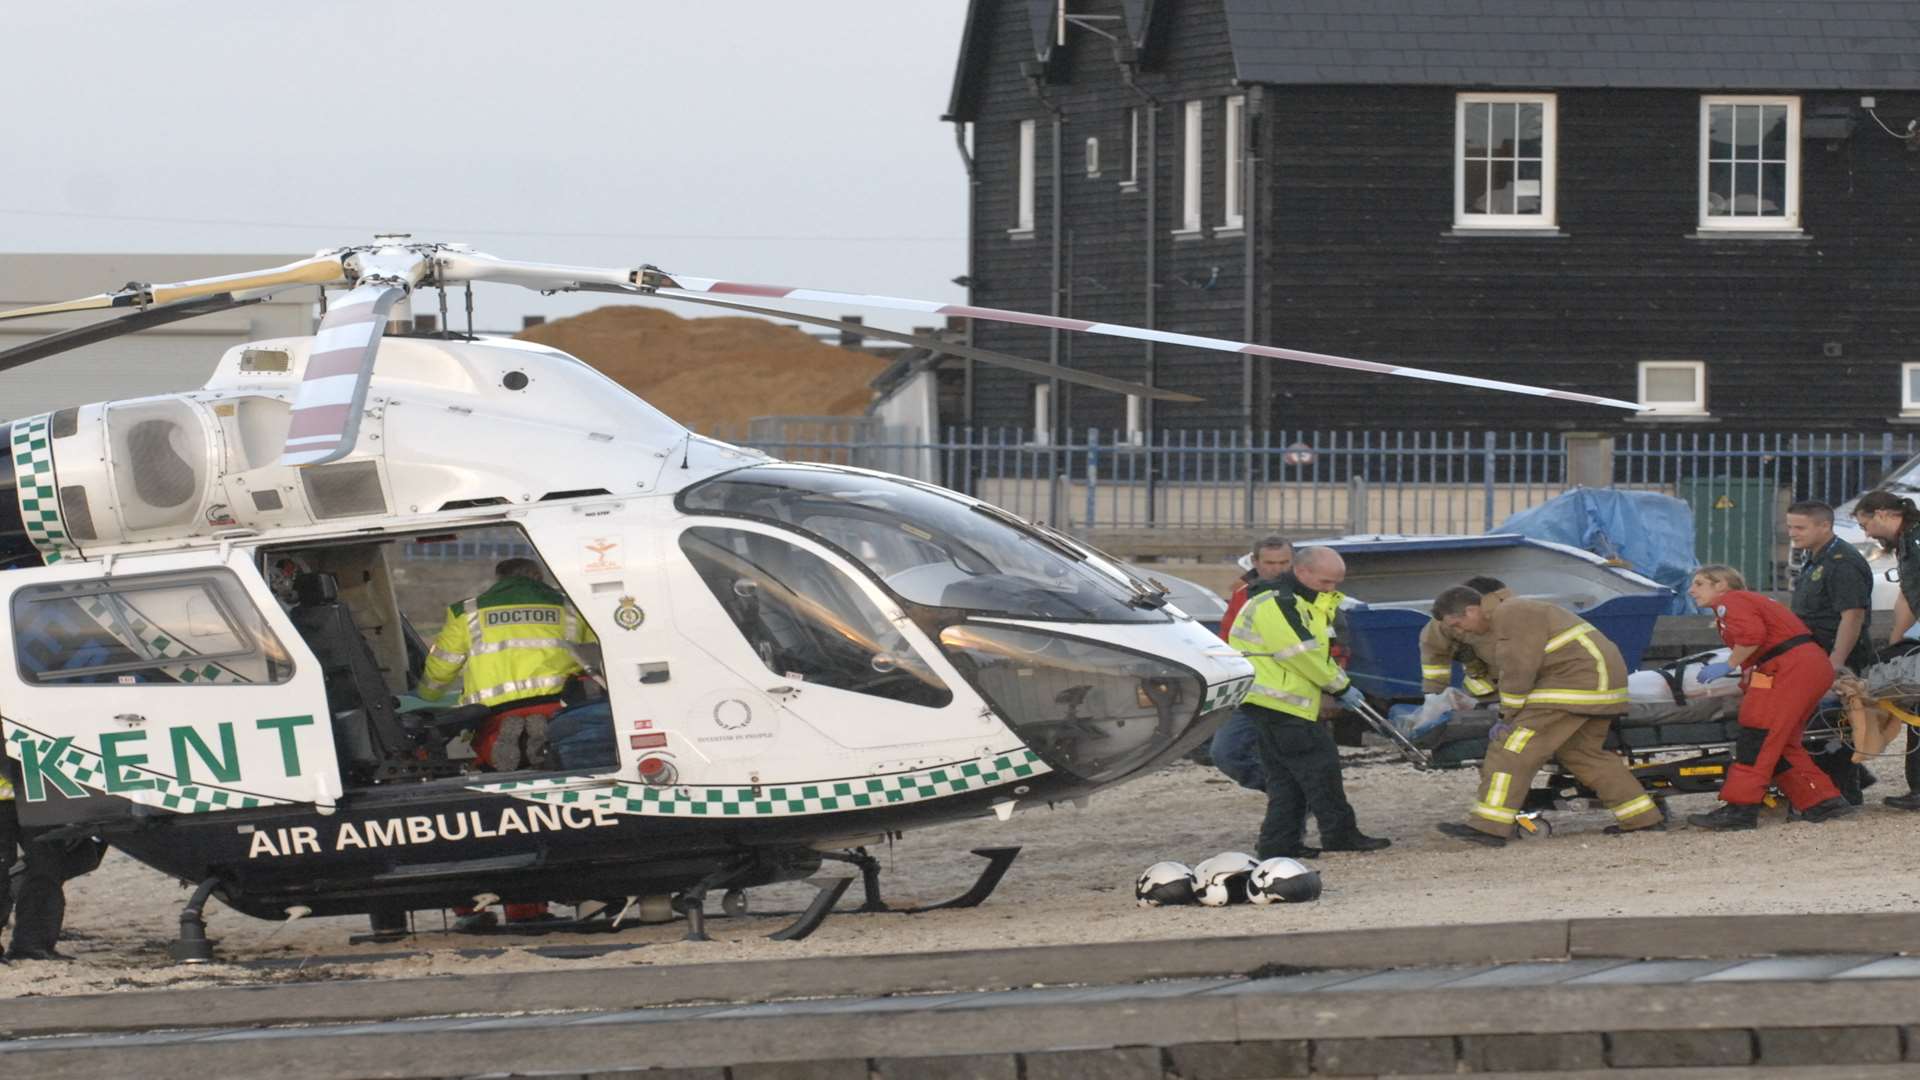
pixel 1073 884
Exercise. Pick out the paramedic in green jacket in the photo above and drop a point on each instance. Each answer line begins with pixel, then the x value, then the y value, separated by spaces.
pixel 1285 632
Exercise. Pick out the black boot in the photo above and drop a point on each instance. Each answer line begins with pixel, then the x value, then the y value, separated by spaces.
pixel 1729 817
pixel 1827 811
pixel 1909 801
pixel 1461 831
pixel 1354 841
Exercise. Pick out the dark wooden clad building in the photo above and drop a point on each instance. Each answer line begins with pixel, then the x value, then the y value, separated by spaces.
pixel 1711 206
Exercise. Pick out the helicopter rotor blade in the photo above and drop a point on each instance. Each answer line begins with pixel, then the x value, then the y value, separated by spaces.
pixel 938 345
pixel 325 422
pixel 106 330
pixel 319 270
pixel 665 284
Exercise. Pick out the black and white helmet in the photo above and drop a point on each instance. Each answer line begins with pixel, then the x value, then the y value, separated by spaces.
pixel 1222 880
pixel 1283 881
pixel 1165 884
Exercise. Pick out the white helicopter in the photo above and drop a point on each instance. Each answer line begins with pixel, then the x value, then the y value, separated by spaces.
pixel 207 652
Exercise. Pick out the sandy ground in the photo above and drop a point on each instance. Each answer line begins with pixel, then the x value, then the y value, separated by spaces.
pixel 1073 884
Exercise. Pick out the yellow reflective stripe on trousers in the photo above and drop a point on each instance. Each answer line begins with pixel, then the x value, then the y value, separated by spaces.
pixel 1497 785
pixel 1518 740
pixel 1494 813
pixel 1634 807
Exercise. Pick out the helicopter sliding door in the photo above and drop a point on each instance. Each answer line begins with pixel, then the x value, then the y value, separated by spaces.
pixel 834 652
pixel 173 685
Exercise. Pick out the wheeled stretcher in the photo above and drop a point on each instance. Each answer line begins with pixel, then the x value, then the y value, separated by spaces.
pixel 1678 733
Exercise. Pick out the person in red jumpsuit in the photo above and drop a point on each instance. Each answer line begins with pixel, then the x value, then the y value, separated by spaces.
pixel 1783 674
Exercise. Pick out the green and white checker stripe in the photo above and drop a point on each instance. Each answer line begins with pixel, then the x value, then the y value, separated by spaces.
pixel 87 770
pixel 786 800
pixel 153 644
pixel 1226 695
pixel 38 494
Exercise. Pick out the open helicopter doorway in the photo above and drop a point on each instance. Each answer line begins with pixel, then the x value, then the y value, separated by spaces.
pixel 371 609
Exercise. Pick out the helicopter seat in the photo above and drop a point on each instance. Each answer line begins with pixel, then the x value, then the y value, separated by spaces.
pixel 366 726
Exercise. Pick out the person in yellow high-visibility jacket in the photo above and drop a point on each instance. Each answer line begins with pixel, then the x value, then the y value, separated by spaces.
pixel 1562 685
pixel 1285 630
pixel 515 648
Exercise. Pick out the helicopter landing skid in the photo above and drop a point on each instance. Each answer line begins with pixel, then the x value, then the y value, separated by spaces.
pixel 998 860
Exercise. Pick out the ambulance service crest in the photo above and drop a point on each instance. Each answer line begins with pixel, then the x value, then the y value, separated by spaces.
pixel 628 615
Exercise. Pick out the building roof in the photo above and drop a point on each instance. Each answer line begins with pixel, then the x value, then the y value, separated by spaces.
pixel 1690 44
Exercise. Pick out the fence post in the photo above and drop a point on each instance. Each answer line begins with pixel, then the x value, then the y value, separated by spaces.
pixel 1053 478
pixel 1487 464
pixel 1356 504
pixel 1093 477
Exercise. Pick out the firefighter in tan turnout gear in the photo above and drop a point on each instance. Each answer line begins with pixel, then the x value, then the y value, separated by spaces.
pixel 1442 646
pixel 1562 683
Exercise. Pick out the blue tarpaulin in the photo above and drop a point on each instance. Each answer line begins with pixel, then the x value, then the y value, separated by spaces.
pixel 1649 533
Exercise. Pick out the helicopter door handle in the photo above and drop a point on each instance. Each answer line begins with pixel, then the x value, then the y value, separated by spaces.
pixel 130 719
pixel 782 691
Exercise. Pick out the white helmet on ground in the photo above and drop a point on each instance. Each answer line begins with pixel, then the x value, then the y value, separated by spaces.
pixel 1222 880
pixel 1283 881
pixel 1165 884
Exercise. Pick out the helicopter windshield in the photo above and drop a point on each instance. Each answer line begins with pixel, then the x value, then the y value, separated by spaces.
pixel 928 548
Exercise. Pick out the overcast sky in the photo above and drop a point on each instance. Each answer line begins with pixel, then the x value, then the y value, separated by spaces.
pixel 789 141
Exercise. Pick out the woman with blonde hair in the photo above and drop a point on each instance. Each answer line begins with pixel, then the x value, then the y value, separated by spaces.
pixel 1783 674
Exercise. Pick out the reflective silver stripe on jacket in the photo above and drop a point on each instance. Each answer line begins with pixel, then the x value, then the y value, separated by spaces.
pixel 488 648
pixel 1305 645
pixel 515 686
pixel 1277 694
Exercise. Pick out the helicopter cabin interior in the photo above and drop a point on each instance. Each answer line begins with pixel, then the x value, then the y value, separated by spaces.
pixel 369 609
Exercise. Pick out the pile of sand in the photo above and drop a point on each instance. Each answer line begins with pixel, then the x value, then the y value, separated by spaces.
pixel 714 375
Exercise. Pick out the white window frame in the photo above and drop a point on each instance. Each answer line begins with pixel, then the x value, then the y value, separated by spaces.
pixel 1192 145
pixel 1131 182
pixel 1909 401
pixel 1024 180
pixel 1548 217
pixel 1696 407
pixel 1790 220
pixel 1233 212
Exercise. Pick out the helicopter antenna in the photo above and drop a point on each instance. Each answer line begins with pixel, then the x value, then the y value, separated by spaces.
pixel 323 301
pixel 445 330
pixel 469 309
pixel 686 448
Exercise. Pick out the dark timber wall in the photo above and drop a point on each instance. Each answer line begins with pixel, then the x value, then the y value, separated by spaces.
pixel 1353 214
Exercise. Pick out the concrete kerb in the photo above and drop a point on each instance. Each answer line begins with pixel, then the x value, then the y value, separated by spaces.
pixel 361 1052
pixel 1120 963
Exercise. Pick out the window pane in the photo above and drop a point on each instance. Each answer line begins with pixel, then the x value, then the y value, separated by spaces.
pixel 806 620
pixel 1476 130
pixel 1531 126
pixel 1719 190
pixel 1773 189
pixel 1526 191
pixel 1501 200
pixel 1504 135
pixel 1746 188
pixel 1746 132
pixel 172 629
pixel 1670 385
pixel 1774 140
pixel 1719 132
pixel 1474 196
pixel 1913 388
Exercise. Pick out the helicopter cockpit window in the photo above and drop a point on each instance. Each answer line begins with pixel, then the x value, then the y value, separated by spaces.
pixel 807 620
pixel 929 548
pixel 198 628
